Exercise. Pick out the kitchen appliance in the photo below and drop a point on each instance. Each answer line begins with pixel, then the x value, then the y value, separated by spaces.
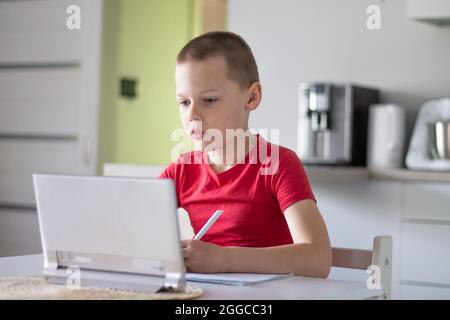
pixel 332 122
pixel 386 137
pixel 439 139
pixel 430 137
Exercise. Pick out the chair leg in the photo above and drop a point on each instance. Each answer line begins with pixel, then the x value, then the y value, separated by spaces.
pixel 382 258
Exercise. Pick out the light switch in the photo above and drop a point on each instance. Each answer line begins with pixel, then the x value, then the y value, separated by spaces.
pixel 128 88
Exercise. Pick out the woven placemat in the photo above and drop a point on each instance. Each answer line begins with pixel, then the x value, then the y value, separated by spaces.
pixel 37 288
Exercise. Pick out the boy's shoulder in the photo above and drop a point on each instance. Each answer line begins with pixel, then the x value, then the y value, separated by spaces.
pixel 275 158
pixel 276 151
pixel 285 151
pixel 178 166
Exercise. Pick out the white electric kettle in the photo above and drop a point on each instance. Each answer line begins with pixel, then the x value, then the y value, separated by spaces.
pixel 386 136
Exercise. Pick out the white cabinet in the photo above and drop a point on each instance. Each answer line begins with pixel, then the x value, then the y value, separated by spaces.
pixel 425 252
pixel 413 292
pixel 20 158
pixel 49 104
pixel 356 206
pixel 35 32
pixel 426 201
pixel 42 100
pixel 14 224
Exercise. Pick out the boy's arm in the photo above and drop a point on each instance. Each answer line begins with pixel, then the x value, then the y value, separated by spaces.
pixel 310 255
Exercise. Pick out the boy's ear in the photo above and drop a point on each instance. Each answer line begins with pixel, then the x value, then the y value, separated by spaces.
pixel 254 96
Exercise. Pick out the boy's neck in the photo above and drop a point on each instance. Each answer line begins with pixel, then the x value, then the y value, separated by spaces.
pixel 233 152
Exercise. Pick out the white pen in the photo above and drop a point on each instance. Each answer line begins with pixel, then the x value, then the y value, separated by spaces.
pixel 208 225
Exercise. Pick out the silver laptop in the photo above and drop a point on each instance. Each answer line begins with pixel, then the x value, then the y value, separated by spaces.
pixel 111 232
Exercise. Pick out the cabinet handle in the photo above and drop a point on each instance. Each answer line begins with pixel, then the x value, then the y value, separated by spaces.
pixel 87 150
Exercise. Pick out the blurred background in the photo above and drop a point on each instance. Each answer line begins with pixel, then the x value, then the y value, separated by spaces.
pixel 84 83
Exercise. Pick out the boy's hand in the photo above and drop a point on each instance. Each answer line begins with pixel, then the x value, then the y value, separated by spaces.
pixel 203 257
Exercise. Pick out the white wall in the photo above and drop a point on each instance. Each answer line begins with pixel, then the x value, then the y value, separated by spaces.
pixel 327 40
pixel 314 40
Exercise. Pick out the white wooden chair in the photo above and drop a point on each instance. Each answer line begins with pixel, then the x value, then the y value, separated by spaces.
pixel 149 171
pixel 380 256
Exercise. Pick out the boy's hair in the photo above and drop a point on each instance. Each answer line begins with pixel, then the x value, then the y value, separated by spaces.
pixel 238 56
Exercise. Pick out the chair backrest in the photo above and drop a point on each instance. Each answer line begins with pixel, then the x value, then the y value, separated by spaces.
pixel 380 256
pixel 149 171
pixel 132 170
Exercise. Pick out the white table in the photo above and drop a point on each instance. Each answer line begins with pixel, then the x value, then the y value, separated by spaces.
pixel 295 288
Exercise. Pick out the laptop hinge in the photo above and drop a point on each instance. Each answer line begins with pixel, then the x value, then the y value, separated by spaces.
pixel 174 282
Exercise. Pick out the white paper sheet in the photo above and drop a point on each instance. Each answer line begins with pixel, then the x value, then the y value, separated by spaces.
pixel 235 279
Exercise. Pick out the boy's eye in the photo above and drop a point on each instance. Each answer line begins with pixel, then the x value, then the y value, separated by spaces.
pixel 183 102
pixel 209 100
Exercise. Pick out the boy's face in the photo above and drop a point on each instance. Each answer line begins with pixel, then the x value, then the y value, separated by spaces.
pixel 209 100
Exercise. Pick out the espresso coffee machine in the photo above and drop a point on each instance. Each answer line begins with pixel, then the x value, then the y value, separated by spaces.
pixel 332 123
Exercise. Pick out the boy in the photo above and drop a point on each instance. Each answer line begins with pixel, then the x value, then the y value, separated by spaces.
pixel 270 223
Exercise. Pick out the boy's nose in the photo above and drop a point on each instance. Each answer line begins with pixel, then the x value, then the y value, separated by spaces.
pixel 193 113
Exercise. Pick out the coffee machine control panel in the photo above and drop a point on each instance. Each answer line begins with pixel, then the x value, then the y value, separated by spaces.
pixel 316 101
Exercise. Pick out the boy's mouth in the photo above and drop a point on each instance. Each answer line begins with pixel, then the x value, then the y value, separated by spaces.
pixel 197 134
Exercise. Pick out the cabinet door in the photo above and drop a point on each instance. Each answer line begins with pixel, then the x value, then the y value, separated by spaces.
pixel 40 101
pixel 49 100
pixel 21 158
pixel 19 232
pixel 425 257
pixel 427 201
pixel 35 32
pixel 410 291
pixel 49 89
pixel 425 254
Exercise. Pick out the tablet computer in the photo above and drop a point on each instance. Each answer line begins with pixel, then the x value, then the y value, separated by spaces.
pixel 113 232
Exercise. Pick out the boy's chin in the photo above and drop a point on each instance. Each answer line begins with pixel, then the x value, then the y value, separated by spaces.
pixel 203 145
pixel 196 137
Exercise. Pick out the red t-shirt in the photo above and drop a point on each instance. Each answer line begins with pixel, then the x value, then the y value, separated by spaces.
pixel 253 195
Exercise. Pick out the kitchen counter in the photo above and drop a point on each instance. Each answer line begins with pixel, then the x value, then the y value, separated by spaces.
pixel 342 172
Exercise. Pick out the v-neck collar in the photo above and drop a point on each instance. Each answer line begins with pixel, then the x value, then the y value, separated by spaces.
pixel 218 175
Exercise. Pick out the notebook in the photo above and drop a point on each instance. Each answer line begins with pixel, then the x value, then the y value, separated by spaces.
pixel 234 279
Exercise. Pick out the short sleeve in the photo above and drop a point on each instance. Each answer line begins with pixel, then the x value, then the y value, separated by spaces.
pixel 167 173
pixel 170 173
pixel 290 183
